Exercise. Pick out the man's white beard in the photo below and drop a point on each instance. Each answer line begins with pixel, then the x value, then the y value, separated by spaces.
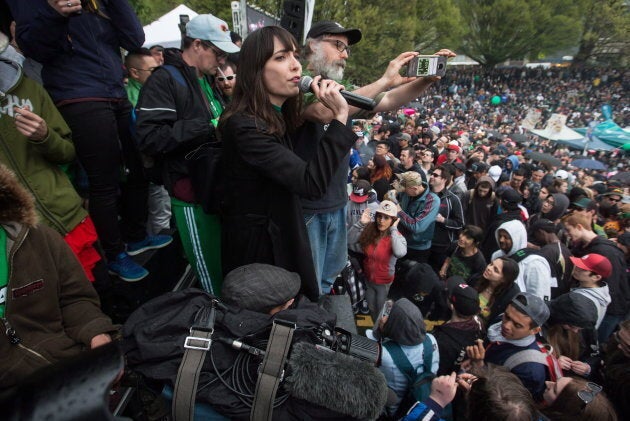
pixel 328 70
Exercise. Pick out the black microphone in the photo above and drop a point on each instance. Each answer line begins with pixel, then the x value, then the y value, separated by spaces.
pixel 351 98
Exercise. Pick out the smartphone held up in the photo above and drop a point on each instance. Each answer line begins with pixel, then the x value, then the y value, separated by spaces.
pixel 421 66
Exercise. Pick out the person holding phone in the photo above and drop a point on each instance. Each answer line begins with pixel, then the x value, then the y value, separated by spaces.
pixel 382 245
pixel 263 221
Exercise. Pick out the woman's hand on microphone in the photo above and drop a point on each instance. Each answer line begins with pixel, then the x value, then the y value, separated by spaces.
pixel 327 92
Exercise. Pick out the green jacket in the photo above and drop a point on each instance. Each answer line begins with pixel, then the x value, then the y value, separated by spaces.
pixel 37 164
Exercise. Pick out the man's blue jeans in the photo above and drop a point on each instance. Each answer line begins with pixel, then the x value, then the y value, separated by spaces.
pixel 329 245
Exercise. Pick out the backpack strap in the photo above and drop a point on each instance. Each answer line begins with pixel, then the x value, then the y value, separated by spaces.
pixel 175 73
pixel 542 355
pixel 402 362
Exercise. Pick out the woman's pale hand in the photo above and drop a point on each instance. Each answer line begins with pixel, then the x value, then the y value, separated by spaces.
pixel 366 217
pixel 328 93
pixel 565 362
pixel 581 368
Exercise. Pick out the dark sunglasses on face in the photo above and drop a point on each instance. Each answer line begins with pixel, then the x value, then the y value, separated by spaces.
pixel 224 78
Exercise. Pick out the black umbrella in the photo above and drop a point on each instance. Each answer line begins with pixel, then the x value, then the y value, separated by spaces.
pixel 519 138
pixel 544 157
pixel 624 177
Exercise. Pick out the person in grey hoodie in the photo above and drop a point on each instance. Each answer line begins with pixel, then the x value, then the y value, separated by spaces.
pixel 535 274
pixel 589 271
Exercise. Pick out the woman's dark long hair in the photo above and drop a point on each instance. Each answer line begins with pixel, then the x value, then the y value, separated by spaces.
pixel 250 94
pixel 510 273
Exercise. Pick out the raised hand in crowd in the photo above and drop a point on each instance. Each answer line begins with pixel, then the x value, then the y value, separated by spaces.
pixel 443 389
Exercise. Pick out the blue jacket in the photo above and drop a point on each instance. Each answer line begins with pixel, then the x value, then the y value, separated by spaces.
pixel 80 54
pixel 532 374
pixel 417 218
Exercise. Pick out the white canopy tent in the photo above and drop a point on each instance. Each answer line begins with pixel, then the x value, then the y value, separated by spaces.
pixel 165 30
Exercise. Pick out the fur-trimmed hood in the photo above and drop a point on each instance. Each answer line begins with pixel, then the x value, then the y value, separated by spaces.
pixel 16 203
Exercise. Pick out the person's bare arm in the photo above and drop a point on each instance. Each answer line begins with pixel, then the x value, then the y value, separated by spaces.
pixel 391 78
pixel 407 92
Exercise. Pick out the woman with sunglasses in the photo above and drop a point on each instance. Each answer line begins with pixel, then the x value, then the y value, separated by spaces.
pixel 264 180
pixel 575 399
pixel 382 245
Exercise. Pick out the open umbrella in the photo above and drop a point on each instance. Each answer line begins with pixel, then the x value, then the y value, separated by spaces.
pixel 519 138
pixel 590 164
pixel 624 177
pixel 544 157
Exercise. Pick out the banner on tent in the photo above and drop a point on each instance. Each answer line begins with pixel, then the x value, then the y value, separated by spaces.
pixel 531 119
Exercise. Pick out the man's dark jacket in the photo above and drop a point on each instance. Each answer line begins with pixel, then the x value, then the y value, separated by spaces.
pixel 173 117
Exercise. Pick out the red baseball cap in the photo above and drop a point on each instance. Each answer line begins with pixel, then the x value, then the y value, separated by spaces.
pixel 595 263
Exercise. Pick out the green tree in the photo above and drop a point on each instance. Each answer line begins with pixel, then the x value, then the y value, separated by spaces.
pixel 498 30
pixel 605 29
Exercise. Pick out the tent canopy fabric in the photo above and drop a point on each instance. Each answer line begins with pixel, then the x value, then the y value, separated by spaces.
pixel 609 132
pixel 564 133
pixel 595 143
pixel 165 30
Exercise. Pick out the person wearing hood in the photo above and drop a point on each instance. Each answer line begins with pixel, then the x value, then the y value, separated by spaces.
pixel 511 165
pixel 36 144
pixel 49 309
pixel 553 208
pixel 571 332
pixel 508 210
pixel 480 203
pixel 402 324
pixel 584 242
pixel 178 110
pixel 534 272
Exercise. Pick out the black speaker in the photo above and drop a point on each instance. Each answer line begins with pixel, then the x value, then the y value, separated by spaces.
pixel 293 17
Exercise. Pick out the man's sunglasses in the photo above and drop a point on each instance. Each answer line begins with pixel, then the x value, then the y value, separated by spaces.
pixel 224 78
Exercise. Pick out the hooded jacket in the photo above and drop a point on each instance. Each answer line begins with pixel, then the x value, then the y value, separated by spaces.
pixel 37 163
pixel 406 327
pixel 480 210
pixel 560 205
pixel 534 274
pixel 50 303
pixel 618 282
pixel 417 218
pixel 600 296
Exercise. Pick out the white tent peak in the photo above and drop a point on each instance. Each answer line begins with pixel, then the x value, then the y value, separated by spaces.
pixel 165 30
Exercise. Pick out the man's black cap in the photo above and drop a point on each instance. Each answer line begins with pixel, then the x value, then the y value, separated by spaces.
pixel 330 27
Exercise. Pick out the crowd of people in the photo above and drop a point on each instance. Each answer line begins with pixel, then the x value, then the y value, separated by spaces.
pixel 517 258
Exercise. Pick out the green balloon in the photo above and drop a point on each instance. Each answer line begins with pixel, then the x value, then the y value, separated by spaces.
pixel 496 100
